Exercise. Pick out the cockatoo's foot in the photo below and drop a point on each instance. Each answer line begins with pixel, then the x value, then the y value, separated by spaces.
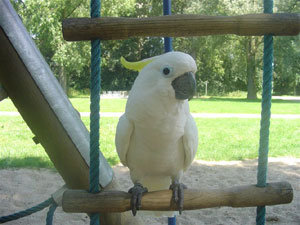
pixel 178 194
pixel 136 192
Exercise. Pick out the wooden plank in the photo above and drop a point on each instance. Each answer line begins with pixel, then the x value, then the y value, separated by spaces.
pixel 110 28
pixel 76 201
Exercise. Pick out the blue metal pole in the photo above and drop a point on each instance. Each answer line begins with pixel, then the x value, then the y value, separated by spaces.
pixel 168 48
pixel 167 11
pixel 172 220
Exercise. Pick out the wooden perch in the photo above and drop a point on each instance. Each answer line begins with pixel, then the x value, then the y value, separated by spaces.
pixel 79 201
pixel 110 28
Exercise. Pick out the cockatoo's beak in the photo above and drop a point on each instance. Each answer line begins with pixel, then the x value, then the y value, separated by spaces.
pixel 184 86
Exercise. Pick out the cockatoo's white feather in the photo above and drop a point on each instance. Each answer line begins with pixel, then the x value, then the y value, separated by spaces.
pixel 157 137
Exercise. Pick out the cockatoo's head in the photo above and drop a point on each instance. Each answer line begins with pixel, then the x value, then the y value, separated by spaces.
pixel 172 74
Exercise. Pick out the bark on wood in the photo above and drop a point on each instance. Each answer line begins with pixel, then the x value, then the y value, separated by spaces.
pixel 76 201
pixel 109 28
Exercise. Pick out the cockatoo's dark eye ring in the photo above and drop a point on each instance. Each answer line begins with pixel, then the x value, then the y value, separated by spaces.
pixel 166 71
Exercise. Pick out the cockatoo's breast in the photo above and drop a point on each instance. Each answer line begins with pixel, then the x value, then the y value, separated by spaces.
pixel 156 145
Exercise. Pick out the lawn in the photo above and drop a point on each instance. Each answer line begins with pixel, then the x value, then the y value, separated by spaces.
pixel 239 105
pixel 219 139
pixel 200 105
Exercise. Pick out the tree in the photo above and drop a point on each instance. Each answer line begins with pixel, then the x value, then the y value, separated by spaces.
pixel 227 62
pixel 43 20
pixel 287 56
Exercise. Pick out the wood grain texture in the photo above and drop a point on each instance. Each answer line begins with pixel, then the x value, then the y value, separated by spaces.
pixel 76 201
pixel 111 28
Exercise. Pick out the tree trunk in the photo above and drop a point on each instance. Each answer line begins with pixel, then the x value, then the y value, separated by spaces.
pixel 251 70
pixel 62 79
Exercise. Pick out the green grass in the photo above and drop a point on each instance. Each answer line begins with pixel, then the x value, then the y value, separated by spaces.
pixel 240 105
pixel 219 139
pixel 17 148
pixel 106 105
pixel 82 104
pixel 202 105
pixel 6 105
pixel 237 139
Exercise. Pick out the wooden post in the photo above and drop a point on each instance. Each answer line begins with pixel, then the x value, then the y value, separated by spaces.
pixel 109 28
pixel 76 201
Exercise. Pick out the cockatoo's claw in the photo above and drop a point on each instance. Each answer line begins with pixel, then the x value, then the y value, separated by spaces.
pixel 136 192
pixel 178 194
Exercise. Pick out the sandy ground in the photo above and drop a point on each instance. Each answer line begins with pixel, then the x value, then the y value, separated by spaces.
pixel 23 188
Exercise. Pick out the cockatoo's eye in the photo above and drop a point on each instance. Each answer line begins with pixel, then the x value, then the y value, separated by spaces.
pixel 167 71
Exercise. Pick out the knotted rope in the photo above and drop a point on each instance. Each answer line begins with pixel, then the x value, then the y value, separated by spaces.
pixel 265 114
pixel 95 109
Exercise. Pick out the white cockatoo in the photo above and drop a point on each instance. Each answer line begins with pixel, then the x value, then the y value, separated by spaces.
pixel 157 137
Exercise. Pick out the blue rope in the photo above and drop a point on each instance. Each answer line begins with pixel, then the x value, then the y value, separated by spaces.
pixel 265 115
pixel 27 212
pixel 167 11
pixel 95 109
pixel 50 214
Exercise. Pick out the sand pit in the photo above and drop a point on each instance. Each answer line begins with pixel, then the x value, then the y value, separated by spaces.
pixel 23 188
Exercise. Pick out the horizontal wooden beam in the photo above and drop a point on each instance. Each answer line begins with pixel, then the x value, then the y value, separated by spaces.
pixel 111 28
pixel 79 201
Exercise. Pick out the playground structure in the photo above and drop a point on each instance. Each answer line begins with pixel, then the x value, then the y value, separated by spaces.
pixel 30 84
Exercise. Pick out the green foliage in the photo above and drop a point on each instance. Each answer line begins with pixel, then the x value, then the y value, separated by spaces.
pixel 228 62
pixel 287 56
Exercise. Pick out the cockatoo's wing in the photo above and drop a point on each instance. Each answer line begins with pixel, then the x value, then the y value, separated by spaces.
pixel 122 140
pixel 190 141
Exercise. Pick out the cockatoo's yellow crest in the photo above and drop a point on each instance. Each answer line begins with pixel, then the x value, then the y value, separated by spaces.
pixel 136 66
